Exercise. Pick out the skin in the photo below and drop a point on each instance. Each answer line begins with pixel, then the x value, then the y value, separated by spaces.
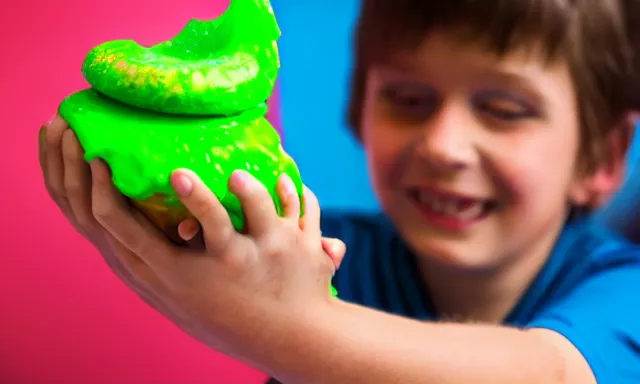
pixel 278 271
pixel 196 100
pixel 455 119
pixel 158 144
pixel 199 290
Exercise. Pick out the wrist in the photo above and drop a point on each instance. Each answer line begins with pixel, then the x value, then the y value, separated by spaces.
pixel 304 345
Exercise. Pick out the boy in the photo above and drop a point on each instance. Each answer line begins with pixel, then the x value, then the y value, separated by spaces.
pixel 490 129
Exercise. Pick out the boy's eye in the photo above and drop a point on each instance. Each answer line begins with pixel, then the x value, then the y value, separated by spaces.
pixel 505 107
pixel 411 101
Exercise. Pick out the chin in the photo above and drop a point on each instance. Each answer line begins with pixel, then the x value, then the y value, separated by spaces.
pixel 459 255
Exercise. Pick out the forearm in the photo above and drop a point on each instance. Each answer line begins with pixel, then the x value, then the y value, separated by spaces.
pixel 358 345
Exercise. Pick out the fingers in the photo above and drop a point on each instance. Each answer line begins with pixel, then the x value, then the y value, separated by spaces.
pixel 288 197
pixel 53 163
pixel 310 222
pixel 335 248
pixel 77 180
pixel 126 225
pixel 256 202
pixel 134 273
pixel 131 269
pixel 189 231
pixel 206 208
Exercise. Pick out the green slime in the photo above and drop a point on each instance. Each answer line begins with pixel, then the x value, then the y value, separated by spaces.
pixel 143 148
pixel 196 101
pixel 217 67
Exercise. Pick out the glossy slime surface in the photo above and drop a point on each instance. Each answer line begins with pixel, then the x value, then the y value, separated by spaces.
pixel 197 101
pixel 217 67
pixel 143 148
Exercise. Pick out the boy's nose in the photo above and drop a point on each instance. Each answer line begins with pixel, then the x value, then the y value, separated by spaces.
pixel 446 143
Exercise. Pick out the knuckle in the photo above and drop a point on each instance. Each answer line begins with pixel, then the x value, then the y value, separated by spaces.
pixel 218 243
pixel 270 244
pixel 257 192
pixel 202 207
pixel 275 244
pixel 225 234
pixel 73 186
pixel 102 210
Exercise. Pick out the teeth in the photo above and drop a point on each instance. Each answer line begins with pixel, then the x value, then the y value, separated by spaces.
pixel 451 207
pixel 471 212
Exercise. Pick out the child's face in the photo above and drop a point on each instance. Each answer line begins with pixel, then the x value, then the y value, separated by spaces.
pixel 473 157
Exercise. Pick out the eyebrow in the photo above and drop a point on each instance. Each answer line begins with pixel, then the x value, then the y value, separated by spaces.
pixel 514 80
pixel 400 64
pixel 403 67
pixel 503 76
pixel 390 71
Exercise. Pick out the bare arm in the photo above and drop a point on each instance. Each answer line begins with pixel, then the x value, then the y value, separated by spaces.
pixel 358 345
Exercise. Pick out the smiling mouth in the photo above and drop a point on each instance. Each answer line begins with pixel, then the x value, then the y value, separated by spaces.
pixel 450 210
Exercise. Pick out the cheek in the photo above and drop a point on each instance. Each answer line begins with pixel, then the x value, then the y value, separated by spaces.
pixel 386 156
pixel 534 172
pixel 383 163
pixel 383 147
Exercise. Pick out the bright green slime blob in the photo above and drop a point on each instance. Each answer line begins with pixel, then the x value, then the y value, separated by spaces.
pixel 217 67
pixel 143 148
pixel 196 101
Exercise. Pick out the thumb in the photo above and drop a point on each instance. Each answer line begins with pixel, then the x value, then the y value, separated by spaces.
pixel 335 248
pixel 191 232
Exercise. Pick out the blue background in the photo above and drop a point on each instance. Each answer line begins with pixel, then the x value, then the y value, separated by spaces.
pixel 314 83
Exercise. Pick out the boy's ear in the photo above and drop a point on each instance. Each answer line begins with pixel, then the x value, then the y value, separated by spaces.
pixel 596 189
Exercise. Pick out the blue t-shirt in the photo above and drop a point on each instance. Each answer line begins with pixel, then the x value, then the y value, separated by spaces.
pixel 588 291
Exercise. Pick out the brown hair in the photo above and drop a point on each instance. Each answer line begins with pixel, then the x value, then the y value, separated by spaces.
pixel 599 39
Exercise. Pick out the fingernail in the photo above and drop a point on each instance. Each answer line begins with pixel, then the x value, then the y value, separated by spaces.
pixel 188 229
pixel 240 178
pixel 182 184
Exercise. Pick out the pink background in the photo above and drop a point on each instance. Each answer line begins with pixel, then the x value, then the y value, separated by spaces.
pixel 65 318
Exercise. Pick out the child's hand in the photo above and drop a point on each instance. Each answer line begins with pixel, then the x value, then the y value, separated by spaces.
pixel 68 180
pixel 190 231
pixel 242 292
